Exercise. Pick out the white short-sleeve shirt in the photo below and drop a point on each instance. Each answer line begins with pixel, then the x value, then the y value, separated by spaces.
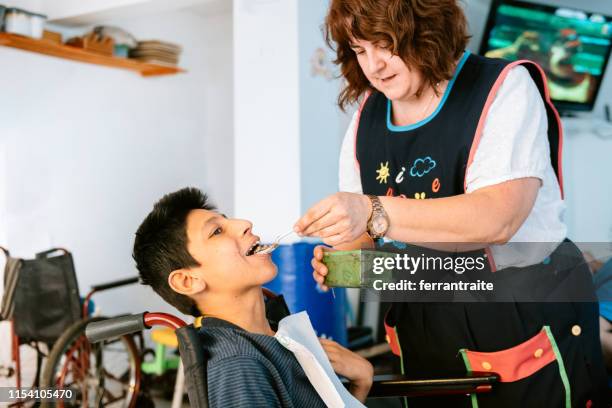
pixel 514 144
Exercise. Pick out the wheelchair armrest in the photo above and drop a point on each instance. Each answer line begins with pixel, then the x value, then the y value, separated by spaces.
pixel 128 324
pixel 115 327
pixel 399 386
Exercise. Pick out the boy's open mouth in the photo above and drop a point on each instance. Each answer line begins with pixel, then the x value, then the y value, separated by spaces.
pixel 252 249
pixel 257 248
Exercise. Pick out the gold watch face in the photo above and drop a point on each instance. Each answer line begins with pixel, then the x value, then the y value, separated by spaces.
pixel 379 224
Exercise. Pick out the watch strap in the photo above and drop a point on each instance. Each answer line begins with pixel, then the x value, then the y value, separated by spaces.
pixel 377 209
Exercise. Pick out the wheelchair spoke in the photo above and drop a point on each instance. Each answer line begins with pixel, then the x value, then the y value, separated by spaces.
pixel 112 377
pixel 111 398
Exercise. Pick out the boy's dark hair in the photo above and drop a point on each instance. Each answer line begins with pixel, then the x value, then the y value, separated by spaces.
pixel 160 246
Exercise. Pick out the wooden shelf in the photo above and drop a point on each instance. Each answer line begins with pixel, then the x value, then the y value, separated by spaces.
pixel 77 54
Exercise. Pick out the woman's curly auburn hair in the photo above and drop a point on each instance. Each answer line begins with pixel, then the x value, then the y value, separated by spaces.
pixel 429 36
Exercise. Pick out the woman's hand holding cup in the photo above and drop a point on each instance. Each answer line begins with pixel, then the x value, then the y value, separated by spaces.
pixel 319 268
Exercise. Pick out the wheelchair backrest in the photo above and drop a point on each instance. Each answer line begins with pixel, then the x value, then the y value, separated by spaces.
pixel 41 295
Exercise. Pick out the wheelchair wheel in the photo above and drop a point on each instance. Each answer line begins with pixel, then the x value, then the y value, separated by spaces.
pixel 105 374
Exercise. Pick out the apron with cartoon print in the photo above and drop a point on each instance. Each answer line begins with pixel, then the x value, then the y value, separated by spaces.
pixel 547 354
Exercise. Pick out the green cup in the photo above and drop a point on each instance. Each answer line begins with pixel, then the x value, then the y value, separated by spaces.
pixel 353 269
pixel 343 268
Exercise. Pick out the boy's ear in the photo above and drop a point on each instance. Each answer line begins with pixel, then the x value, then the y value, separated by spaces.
pixel 185 282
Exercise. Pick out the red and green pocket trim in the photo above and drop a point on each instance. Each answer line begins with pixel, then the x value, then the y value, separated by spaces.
pixel 519 362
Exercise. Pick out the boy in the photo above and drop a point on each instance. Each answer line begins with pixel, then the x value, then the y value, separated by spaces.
pixel 203 263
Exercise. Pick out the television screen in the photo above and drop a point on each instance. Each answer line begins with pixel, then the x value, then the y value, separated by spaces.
pixel 572 46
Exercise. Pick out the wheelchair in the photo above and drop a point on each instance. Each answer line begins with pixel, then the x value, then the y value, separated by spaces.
pixel 102 374
pixel 194 360
pixel 42 304
pixel 47 280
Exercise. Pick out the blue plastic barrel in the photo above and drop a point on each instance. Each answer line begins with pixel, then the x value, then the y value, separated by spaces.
pixel 295 282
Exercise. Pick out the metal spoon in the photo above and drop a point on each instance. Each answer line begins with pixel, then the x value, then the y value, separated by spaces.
pixel 268 248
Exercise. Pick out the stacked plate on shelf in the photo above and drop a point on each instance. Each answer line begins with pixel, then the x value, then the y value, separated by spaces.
pixel 157 52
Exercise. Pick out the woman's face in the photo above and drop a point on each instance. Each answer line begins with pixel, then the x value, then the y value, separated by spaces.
pixel 386 72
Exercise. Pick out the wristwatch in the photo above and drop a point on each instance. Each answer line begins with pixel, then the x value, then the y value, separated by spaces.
pixel 378 224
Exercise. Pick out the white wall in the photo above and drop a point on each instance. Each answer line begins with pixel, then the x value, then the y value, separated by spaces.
pixel 588 190
pixel 35 6
pixel 288 127
pixel 86 150
pixel 322 123
pixel 266 115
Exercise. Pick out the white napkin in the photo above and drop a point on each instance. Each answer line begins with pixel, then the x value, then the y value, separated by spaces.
pixel 296 334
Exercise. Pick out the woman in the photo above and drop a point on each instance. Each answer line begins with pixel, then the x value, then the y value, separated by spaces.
pixel 452 147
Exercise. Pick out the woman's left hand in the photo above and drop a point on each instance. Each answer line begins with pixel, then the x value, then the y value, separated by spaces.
pixel 346 363
pixel 339 218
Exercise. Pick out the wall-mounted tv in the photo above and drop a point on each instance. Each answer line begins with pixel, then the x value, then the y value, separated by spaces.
pixel 572 46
